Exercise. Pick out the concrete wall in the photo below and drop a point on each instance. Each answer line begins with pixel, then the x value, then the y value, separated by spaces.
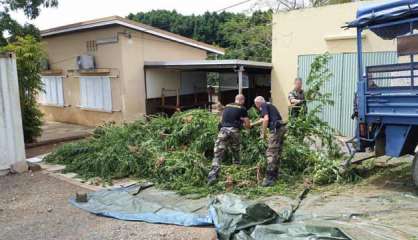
pixel 125 58
pixel 313 31
pixel 12 147
pixel 186 82
pixel 160 78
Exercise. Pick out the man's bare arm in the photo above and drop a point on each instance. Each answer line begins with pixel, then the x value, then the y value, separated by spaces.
pixel 294 101
pixel 265 124
pixel 247 123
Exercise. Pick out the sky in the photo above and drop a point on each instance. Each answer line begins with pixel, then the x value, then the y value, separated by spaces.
pixel 72 11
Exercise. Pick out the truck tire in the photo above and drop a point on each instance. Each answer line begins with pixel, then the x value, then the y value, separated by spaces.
pixel 415 170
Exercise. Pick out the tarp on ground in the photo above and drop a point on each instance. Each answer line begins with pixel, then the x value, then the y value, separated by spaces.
pixel 153 207
pixel 233 218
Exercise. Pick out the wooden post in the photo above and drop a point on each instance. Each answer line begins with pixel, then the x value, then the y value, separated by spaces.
pixel 162 97
pixel 178 98
pixel 240 70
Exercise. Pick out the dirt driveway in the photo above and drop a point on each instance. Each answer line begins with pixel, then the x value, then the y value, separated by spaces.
pixel 385 206
pixel 36 207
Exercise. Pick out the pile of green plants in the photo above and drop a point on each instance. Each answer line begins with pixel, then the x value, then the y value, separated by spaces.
pixel 176 152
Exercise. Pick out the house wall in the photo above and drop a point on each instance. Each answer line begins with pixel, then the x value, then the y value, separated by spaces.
pixel 161 78
pixel 126 61
pixel 62 51
pixel 313 31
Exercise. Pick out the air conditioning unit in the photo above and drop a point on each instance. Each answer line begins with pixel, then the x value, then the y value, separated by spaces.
pixel 86 62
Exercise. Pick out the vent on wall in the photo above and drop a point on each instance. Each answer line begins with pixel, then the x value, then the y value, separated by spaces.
pixel 86 62
pixel 91 46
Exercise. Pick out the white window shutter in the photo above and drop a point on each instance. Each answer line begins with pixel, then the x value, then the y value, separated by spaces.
pixel 96 93
pixel 60 91
pixel 42 94
pixel 83 92
pixel 53 90
pixel 107 96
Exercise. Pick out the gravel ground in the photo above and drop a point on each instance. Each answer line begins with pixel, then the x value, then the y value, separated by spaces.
pixel 36 207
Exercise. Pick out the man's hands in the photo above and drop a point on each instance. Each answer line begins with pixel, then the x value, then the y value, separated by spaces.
pixel 256 123
pixel 264 124
pixel 295 101
pixel 247 123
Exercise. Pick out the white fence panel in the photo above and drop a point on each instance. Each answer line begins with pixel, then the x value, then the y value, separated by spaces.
pixel 12 147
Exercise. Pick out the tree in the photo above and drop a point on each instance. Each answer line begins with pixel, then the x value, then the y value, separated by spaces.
pixel 24 41
pixel 244 37
pixel 248 38
pixel 31 8
pixel 29 55
pixel 14 29
pixel 10 29
pixel 203 28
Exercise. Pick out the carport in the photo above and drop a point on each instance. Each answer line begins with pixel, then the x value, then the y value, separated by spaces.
pixel 180 85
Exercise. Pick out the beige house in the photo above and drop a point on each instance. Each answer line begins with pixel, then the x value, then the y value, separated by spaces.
pixel 314 31
pixel 96 69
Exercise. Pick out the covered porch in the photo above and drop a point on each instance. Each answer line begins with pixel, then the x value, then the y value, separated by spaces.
pixel 180 85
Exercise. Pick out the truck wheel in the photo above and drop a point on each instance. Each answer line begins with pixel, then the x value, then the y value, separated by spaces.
pixel 415 170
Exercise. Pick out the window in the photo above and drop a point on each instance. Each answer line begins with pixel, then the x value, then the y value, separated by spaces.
pixel 53 91
pixel 95 93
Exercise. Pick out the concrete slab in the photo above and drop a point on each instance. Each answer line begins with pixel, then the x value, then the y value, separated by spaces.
pixel 52 167
pixel 55 132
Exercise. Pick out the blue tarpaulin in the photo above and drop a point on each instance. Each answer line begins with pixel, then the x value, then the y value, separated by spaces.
pixel 153 207
pixel 233 218
pixel 376 14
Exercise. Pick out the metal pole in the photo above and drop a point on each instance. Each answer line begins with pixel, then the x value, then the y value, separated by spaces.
pixel 361 85
pixel 411 57
pixel 240 70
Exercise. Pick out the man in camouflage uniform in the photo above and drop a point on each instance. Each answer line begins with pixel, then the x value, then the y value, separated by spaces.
pixel 297 99
pixel 271 119
pixel 234 116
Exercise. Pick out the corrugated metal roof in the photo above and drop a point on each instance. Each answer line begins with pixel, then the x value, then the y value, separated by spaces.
pixel 116 20
pixel 191 64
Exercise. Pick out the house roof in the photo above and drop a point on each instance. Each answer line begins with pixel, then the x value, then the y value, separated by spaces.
pixel 116 20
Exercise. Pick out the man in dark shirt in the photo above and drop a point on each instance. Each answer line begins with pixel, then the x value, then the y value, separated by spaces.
pixel 234 117
pixel 271 119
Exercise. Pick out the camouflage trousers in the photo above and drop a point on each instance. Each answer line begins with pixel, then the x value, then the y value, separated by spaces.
pixel 227 137
pixel 275 144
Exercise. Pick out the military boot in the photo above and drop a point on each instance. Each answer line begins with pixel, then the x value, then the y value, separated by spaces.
pixel 270 179
pixel 236 161
pixel 213 175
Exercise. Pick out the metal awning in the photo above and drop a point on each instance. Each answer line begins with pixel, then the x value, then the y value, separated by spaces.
pixel 211 65
pixel 236 66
